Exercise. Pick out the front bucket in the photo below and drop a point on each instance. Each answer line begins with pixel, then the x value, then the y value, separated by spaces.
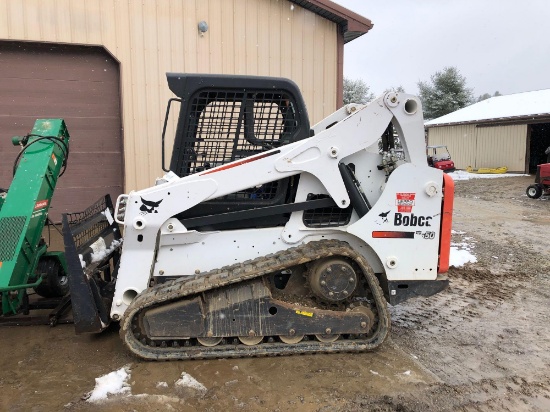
pixel 92 248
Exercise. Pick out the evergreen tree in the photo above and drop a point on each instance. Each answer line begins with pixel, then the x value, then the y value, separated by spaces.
pixel 446 92
pixel 356 91
pixel 484 96
pixel 398 89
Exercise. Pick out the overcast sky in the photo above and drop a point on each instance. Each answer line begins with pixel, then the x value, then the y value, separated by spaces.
pixel 499 45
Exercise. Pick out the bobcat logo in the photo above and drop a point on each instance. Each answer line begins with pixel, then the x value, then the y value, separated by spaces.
pixel 149 206
pixel 384 216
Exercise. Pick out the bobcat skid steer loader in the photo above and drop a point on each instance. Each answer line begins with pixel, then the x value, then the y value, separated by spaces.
pixel 267 236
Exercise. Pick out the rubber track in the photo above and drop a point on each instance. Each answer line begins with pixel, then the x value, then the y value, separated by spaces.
pixel 192 285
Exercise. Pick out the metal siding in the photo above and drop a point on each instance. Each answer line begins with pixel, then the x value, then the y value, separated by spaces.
pixel 308 53
pixel 330 64
pixel 286 42
pixel 460 141
pixel 319 93
pixel 149 38
pixel 274 23
pixel 502 146
pixel 263 38
pixel 483 146
pixel 296 61
pixel 251 36
pixel 239 37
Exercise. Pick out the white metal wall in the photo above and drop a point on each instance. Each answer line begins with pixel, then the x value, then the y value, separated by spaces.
pixel 474 146
pixel 151 37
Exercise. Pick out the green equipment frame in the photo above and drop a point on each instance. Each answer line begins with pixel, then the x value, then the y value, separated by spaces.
pixel 24 211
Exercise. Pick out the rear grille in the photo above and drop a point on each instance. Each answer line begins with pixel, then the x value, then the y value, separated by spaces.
pixel 11 229
pixel 326 216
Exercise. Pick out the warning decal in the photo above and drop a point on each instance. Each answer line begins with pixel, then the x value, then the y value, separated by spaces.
pixel 405 202
pixel 41 204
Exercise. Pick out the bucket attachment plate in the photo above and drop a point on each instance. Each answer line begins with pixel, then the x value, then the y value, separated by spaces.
pixel 92 247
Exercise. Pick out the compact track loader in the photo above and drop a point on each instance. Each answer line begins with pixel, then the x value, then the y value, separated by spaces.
pixel 267 236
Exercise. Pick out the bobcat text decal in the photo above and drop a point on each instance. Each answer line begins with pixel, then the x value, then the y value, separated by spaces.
pixel 411 220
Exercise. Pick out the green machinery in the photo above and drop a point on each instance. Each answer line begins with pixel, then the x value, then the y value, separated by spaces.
pixel 25 262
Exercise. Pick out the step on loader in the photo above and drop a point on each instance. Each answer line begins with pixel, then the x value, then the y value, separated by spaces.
pixel 268 236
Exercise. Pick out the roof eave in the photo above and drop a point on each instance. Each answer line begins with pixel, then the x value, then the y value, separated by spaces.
pixel 497 120
pixel 352 24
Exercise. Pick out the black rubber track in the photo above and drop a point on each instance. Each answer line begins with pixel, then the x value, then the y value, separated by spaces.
pixel 189 286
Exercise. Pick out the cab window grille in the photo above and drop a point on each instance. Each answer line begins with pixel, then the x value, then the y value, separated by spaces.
pixel 224 126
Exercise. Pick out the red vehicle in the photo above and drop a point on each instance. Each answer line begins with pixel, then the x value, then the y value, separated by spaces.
pixel 542 182
pixel 440 158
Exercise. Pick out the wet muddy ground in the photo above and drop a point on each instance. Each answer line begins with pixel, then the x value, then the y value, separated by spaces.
pixel 483 344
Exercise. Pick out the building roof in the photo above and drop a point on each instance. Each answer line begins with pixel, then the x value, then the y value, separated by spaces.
pixel 352 24
pixel 519 107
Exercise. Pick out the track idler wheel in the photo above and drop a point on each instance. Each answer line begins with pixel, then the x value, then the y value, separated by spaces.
pixel 327 338
pixel 209 341
pixel 332 280
pixel 250 340
pixel 291 339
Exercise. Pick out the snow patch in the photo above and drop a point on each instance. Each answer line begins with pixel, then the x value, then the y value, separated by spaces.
pixel 464 175
pixel 113 383
pixel 108 215
pixel 101 253
pixel 188 381
pixel 461 251
pixel 162 385
pixel 459 257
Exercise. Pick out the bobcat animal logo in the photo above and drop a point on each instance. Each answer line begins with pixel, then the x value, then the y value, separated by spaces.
pixel 148 206
pixel 384 216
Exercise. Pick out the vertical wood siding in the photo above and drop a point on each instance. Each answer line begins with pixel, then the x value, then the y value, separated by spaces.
pixel 483 146
pixel 152 37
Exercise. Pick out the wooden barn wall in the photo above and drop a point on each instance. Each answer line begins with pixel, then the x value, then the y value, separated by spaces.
pixel 151 37
pixel 474 146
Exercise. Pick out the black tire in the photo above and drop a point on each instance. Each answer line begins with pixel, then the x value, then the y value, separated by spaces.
pixel 55 283
pixel 534 191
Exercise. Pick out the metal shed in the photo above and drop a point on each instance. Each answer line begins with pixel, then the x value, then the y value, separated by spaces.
pixel 511 131
pixel 101 64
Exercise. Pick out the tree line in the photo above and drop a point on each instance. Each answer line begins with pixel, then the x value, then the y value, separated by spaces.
pixel 445 92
